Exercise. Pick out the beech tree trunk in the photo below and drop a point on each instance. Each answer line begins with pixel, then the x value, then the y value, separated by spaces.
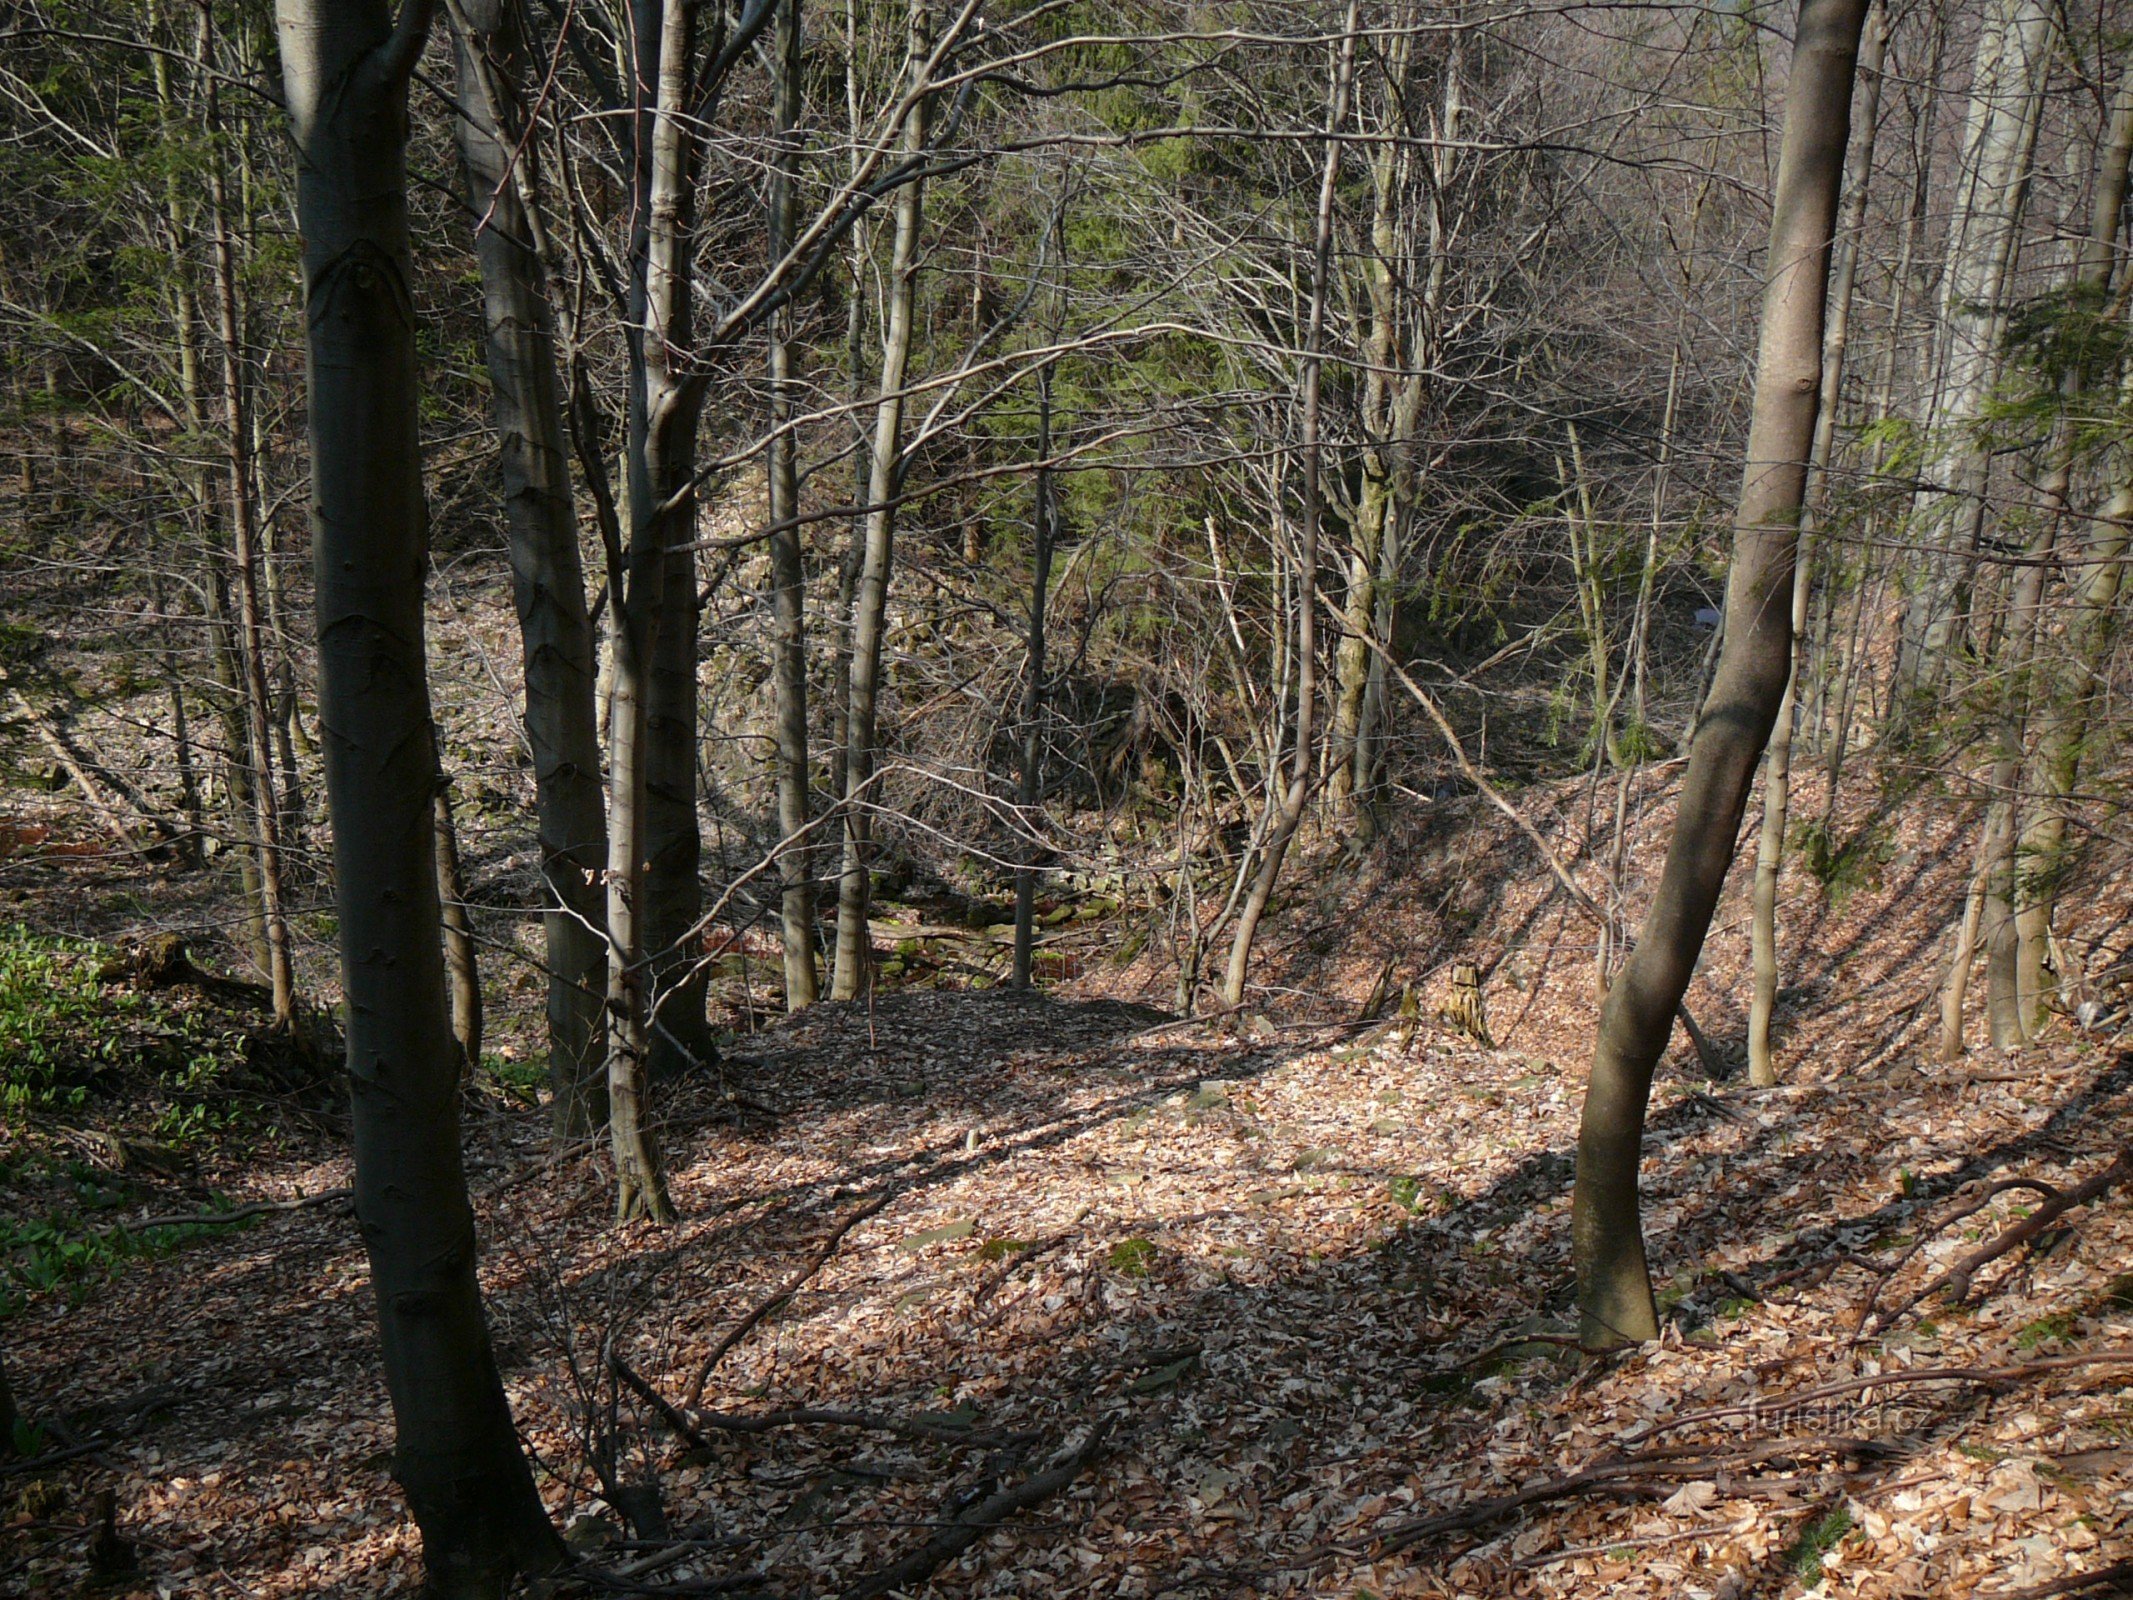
pixel 665 405
pixel 1614 1283
pixel 662 432
pixel 346 66
pixel 2021 892
pixel 871 595
pixel 788 570
pixel 1392 394
pixel 1298 790
pixel 547 576
pixel 2000 136
pixel 266 816
pixel 1777 765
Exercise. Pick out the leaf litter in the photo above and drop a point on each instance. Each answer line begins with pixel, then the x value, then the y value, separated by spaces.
pixel 1299 1297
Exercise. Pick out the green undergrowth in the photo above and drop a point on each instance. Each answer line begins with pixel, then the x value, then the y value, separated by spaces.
pixel 69 1252
pixel 117 1081
pixel 79 1033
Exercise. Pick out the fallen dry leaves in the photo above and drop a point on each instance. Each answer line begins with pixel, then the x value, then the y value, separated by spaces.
pixel 1313 1280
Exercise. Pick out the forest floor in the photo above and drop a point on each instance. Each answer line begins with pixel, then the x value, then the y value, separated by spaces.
pixel 1288 1299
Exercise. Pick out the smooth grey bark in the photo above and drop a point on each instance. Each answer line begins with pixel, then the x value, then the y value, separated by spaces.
pixel 788 571
pixel 871 593
pixel 547 575
pixel 642 594
pixel 1613 1281
pixel 1298 789
pixel 1777 764
pixel 664 408
pixel 1029 786
pixel 2019 885
pixel 2000 137
pixel 345 69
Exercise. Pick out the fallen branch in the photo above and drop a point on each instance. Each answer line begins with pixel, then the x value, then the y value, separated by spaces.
pixel 668 1412
pixel 1957 1281
pixel 2117 1580
pixel 981 1519
pixel 785 1292
pixel 1985 1198
pixel 1990 1376
pixel 73 769
pixel 832 1417
pixel 255 1208
pixel 1619 1477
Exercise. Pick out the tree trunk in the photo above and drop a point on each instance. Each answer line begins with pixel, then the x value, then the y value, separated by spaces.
pixel 666 403
pixel 1030 781
pixel 1392 394
pixel 460 965
pixel 251 624
pixel 1777 766
pixel 870 600
pixel 1614 1283
pixel 547 578
pixel 1298 790
pixel 2006 102
pixel 788 571
pixel 662 432
pixel 2018 964
pixel 346 67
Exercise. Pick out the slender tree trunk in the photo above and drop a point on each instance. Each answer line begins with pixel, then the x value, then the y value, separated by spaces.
pixel 460 965
pixel 1298 789
pixel 1614 1283
pixel 788 571
pixel 2006 103
pixel 346 66
pixel 251 624
pixel 547 577
pixel 2063 722
pixel 667 403
pixel 1391 406
pixel 226 703
pixel 1956 982
pixel 1030 785
pixel 1777 765
pixel 662 426
pixel 870 600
